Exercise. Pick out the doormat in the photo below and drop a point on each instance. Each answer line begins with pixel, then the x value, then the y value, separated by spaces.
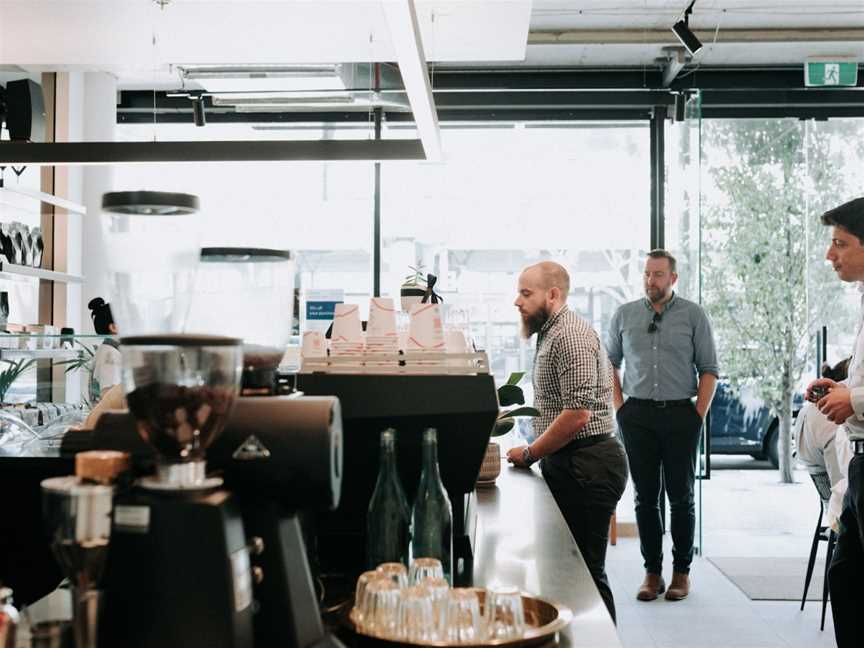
pixel 773 579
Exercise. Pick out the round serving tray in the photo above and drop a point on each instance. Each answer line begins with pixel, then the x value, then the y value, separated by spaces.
pixel 543 620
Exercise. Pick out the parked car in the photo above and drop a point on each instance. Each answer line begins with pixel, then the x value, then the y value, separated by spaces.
pixel 743 424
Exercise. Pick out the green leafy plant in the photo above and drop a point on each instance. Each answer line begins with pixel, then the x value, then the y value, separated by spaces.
pixel 510 395
pixel 84 361
pixel 417 276
pixel 12 372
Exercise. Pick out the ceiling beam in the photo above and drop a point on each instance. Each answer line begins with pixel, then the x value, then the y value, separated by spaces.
pixel 94 153
pixel 666 37
pixel 408 44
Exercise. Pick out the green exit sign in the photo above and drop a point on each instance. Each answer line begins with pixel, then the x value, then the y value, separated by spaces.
pixel 825 72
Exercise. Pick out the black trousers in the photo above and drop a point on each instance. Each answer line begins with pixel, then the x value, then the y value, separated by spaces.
pixel 587 484
pixel 667 440
pixel 846 574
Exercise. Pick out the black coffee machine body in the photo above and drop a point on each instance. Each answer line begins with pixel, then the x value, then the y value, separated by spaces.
pixel 178 572
pixel 226 568
pixel 463 409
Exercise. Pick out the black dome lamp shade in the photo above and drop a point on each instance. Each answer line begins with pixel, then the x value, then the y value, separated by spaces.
pixel 149 203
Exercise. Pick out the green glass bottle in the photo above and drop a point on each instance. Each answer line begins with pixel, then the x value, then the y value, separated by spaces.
pixel 432 515
pixel 388 519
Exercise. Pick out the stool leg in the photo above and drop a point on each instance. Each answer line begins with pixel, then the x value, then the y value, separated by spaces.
pixel 812 560
pixel 830 554
pixel 613 530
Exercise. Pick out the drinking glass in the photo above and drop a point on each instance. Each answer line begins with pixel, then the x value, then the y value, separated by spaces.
pixel 360 592
pixel 423 568
pixel 396 572
pixel 463 621
pixel 505 616
pixel 438 589
pixel 416 617
pixel 381 605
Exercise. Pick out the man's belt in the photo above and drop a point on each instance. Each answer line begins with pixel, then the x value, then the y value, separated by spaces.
pixel 661 403
pixel 584 442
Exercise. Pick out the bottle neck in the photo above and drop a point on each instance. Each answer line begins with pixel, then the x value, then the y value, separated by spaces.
pixel 388 457
pixel 430 459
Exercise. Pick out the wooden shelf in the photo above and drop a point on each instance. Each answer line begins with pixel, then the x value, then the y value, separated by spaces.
pixel 39 273
pixel 40 354
pixel 41 196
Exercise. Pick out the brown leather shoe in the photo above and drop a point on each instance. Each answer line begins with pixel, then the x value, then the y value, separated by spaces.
pixel 651 587
pixel 680 587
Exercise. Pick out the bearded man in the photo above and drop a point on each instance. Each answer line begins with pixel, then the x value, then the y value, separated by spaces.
pixel 669 356
pixel 582 460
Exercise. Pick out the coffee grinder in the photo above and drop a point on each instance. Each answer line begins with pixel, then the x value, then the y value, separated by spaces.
pixel 178 571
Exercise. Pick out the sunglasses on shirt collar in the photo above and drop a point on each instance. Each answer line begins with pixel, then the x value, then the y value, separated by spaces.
pixel 652 327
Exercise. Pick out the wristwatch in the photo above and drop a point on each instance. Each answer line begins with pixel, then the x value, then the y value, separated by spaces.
pixel 527 458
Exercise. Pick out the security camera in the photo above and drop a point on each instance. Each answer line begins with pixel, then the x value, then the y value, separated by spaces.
pixel 688 39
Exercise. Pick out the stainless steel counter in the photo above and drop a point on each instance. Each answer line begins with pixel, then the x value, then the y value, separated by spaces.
pixel 522 540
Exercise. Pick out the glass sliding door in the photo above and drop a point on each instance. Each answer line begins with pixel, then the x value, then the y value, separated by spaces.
pixel 683 235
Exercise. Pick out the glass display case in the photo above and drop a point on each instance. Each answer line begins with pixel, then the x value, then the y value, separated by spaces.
pixel 47 383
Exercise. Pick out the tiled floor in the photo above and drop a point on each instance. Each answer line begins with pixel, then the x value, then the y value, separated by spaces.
pixel 715 615
pixel 747 513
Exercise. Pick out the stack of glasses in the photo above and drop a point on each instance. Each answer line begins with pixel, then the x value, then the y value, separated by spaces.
pixel 418 606
pixel 347 336
pixel 381 336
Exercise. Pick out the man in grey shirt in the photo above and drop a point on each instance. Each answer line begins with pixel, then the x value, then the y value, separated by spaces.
pixel 667 347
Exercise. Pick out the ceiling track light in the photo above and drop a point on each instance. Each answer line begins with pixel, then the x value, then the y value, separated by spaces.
pixel 682 31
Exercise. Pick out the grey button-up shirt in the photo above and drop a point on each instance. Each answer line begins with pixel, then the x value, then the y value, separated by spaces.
pixel 665 364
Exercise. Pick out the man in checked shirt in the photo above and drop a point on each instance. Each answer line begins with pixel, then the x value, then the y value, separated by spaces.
pixel 582 460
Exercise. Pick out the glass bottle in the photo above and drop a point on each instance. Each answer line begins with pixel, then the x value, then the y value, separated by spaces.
pixel 388 518
pixel 432 515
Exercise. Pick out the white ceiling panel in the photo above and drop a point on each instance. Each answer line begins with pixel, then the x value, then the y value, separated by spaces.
pixel 131 35
pixel 707 14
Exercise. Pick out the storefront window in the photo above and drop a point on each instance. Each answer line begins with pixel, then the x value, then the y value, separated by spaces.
pixel 510 196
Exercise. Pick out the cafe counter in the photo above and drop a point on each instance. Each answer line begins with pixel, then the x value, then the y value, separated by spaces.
pixel 522 540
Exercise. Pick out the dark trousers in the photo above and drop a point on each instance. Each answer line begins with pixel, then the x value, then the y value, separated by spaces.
pixel 662 440
pixel 846 574
pixel 587 484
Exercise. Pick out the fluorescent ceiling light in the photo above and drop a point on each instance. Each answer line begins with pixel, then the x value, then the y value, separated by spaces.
pixel 217 79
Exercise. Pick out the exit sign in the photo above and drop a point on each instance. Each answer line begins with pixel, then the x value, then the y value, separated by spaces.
pixel 828 72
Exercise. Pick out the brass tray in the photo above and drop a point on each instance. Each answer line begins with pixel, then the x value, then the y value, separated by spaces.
pixel 543 620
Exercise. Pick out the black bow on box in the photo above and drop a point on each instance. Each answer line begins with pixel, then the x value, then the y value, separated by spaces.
pixel 431 295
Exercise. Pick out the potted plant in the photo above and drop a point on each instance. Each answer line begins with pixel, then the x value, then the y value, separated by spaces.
pixel 510 396
pixel 413 288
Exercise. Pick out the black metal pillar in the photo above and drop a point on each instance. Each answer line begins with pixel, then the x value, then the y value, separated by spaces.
pixel 658 176
pixel 376 219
